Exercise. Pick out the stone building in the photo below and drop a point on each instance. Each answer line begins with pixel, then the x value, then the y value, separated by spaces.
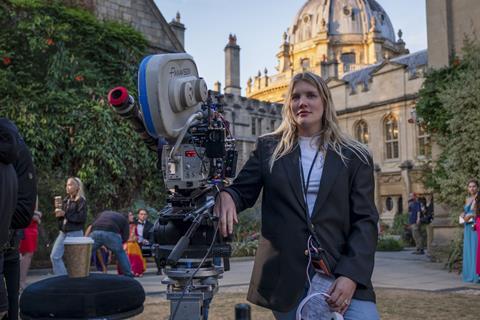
pixel 248 117
pixel 145 17
pixel 329 38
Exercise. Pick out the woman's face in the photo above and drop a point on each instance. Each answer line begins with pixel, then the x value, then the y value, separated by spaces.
pixel 71 188
pixel 472 188
pixel 130 217
pixel 307 108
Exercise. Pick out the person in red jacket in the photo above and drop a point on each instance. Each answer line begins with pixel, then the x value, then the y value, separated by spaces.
pixel 28 246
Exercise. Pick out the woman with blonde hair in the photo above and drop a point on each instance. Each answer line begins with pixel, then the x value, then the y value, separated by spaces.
pixel 71 221
pixel 319 221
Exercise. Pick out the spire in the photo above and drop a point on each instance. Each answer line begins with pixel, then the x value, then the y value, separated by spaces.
pixel 232 66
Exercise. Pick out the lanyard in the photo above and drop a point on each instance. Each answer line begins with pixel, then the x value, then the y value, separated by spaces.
pixel 322 259
pixel 305 184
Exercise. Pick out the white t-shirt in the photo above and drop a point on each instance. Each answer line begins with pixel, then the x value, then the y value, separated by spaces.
pixel 308 148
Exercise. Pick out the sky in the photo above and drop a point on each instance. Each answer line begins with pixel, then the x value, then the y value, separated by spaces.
pixel 259 25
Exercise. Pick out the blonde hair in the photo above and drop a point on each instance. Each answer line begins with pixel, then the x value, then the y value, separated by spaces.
pixel 80 191
pixel 331 135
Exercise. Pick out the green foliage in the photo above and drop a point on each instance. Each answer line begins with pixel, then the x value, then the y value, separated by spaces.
pixel 455 257
pixel 389 243
pixel 449 105
pixel 246 233
pixel 248 225
pixel 56 67
pixel 244 248
pixel 399 223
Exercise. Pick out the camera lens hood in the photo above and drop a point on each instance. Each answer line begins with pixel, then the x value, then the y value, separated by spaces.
pixel 170 91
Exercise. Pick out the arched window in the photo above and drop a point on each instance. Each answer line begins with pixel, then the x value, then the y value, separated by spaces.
pixel 305 64
pixel 424 142
pixel 389 203
pixel 361 131
pixel 348 60
pixel 390 127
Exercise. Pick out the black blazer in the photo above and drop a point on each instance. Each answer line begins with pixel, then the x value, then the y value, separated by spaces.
pixel 344 218
pixel 75 213
pixel 147 233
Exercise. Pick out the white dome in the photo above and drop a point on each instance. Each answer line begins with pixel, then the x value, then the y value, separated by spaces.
pixel 339 18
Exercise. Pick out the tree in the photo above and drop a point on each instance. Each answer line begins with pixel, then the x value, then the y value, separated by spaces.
pixel 56 67
pixel 449 105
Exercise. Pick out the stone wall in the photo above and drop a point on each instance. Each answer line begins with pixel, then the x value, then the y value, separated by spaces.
pixel 143 15
pixel 448 23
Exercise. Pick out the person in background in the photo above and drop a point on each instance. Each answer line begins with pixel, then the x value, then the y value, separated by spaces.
pixel 100 258
pixel 470 237
pixel 414 212
pixel 144 228
pixel 8 200
pixel 24 209
pixel 71 220
pixel 28 246
pixel 111 229
pixel 133 250
pixel 145 235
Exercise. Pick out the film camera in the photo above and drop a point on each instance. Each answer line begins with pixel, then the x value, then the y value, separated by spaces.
pixel 182 120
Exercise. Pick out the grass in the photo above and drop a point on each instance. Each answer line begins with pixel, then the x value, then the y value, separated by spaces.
pixel 393 304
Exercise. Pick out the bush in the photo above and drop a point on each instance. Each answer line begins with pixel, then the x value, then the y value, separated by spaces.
pixel 455 256
pixel 389 243
pixel 246 233
pixel 244 248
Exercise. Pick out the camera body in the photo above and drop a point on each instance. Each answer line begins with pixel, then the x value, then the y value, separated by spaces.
pixel 181 120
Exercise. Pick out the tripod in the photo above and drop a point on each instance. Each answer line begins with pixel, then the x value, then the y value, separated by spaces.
pixel 189 296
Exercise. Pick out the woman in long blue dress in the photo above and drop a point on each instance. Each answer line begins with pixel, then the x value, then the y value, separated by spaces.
pixel 470 235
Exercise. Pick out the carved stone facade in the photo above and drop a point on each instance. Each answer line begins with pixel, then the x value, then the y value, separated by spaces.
pixel 330 38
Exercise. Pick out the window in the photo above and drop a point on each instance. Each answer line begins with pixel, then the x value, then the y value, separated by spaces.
pixel 305 64
pixel 424 142
pixel 348 60
pixel 254 126
pixel 259 127
pixel 361 131
pixel 389 203
pixel 390 126
pixel 400 205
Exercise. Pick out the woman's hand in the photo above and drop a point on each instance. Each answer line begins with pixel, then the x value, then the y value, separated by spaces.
pixel 59 213
pixel 341 294
pixel 227 212
pixel 468 218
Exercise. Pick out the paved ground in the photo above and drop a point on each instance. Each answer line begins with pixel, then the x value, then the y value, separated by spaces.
pixel 400 270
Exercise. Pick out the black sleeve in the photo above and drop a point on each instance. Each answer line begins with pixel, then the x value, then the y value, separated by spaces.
pixel 79 215
pixel 148 231
pixel 125 230
pixel 8 146
pixel 248 184
pixel 358 261
pixel 27 188
pixel 8 199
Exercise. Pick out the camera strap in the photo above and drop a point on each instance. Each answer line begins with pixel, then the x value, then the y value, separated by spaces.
pixel 322 262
